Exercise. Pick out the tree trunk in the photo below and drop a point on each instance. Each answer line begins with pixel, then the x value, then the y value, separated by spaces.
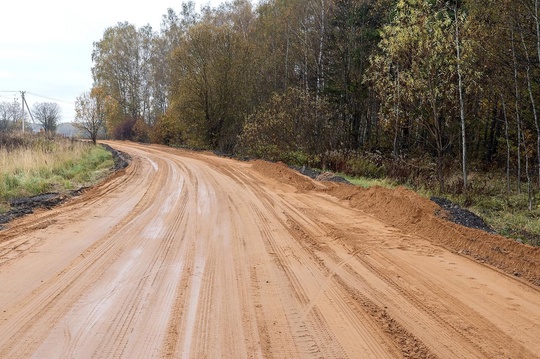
pixel 533 104
pixel 529 189
pixel 396 133
pixel 320 63
pixel 461 104
pixel 440 170
pixel 507 149
pixel 287 46
pixel 537 20
pixel 518 118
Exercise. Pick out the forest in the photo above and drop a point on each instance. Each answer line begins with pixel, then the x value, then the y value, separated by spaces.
pixel 436 94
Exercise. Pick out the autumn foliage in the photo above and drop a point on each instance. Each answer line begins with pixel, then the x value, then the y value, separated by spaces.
pixel 432 89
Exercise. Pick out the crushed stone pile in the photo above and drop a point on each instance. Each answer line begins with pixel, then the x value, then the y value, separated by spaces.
pixel 318 175
pixel 462 216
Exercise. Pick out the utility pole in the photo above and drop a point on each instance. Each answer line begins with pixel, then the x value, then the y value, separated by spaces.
pixel 28 108
pixel 22 104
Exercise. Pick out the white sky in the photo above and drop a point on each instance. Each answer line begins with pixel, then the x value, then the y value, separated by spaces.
pixel 46 46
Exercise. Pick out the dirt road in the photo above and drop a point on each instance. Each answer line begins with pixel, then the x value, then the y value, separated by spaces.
pixel 187 255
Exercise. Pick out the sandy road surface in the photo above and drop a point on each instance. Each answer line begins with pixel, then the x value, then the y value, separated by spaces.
pixel 188 255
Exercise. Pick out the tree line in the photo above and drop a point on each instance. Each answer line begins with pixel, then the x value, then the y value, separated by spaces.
pixel 420 87
pixel 46 114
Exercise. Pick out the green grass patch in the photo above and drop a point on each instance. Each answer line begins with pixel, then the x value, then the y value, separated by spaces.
pixel 366 182
pixel 507 213
pixel 510 216
pixel 59 165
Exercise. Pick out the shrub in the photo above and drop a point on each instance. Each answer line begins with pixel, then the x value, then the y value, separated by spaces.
pixel 141 131
pixel 166 131
pixel 290 124
pixel 362 167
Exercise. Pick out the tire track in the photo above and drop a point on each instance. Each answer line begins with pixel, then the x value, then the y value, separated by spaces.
pixel 202 256
pixel 446 305
pixel 51 299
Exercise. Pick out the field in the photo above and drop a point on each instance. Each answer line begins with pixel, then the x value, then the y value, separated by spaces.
pixel 32 165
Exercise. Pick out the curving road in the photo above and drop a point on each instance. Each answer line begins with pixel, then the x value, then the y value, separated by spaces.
pixel 187 255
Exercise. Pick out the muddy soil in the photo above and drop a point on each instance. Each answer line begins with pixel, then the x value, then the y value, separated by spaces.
pixel 189 255
pixel 121 159
pixel 23 206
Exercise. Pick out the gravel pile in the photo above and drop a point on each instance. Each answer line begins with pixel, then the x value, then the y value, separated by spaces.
pixel 318 175
pixel 462 216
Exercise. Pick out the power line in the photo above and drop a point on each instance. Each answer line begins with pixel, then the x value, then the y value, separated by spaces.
pixel 38 95
pixel 50 98
pixel 9 98
pixel 23 102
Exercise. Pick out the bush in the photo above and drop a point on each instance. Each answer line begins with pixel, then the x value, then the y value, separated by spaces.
pixel 11 141
pixel 291 125
pixel 124 130
pixel 362 167
pixel 167 131
pixel 141 131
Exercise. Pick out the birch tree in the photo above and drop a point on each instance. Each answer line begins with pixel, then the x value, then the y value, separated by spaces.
pixel 419 43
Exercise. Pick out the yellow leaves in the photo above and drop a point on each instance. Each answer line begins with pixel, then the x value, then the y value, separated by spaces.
pixel 417 55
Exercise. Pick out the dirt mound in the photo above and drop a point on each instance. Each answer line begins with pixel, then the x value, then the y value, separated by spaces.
pixel 410 212
pixel 407 210
pixel 279 171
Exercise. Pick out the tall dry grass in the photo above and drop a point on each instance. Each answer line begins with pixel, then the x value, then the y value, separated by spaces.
pixel 30 165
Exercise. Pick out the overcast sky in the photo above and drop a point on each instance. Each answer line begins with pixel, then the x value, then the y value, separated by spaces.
pixel 46 46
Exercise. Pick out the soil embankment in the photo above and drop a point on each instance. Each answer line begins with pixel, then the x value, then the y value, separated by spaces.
pixel 410 212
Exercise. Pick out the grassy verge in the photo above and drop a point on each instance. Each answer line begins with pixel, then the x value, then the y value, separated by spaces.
pixel 369 182
pixel 36 165
pixel 508 215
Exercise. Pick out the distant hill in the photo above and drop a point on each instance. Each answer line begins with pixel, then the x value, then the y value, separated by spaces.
pixel 67 129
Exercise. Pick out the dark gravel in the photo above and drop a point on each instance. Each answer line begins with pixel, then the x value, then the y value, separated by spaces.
pixel 318 175
pixel 121 159
pixel 26 205
pixel 462 216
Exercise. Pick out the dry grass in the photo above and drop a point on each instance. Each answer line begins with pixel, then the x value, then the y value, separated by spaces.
pixel 37 165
